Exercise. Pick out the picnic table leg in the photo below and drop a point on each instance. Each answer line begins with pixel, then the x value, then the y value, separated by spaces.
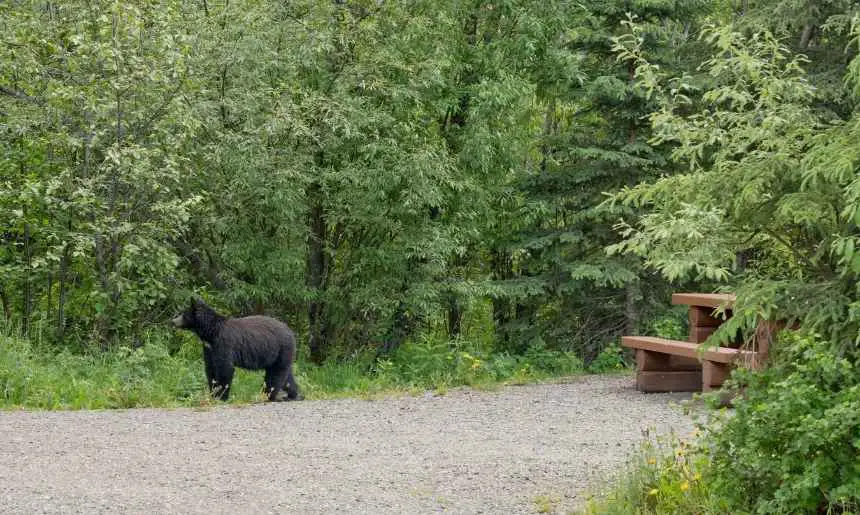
pixel 765 334
pixel 702 323
pixel 714 375
pixel 658 372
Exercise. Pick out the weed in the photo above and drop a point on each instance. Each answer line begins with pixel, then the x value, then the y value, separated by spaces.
pixel 546 503
pixel 664 476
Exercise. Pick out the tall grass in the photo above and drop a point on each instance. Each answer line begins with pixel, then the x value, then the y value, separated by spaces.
pixel 666 475
pixel 159 374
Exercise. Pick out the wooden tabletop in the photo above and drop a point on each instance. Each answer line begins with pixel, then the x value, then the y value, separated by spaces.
pixel 709 300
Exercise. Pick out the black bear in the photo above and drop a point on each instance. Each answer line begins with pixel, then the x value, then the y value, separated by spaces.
pixel 254 342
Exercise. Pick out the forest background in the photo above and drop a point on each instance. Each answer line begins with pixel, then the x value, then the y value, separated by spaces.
pixel 429 192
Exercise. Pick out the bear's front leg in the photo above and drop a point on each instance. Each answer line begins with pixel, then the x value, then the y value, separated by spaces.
pixel 221 386
pixel 209 367
pixel 222 377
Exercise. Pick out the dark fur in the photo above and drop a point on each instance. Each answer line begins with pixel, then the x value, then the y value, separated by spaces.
pixel 255 342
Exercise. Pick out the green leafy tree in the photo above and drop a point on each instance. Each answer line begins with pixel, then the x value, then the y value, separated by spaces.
pixel 772 175
pixel 756 146
pixel 91 166
pixel 330 203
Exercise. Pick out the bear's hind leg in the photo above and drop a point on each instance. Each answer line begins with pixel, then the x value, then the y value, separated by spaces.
pixel 292 387
pixel 275 379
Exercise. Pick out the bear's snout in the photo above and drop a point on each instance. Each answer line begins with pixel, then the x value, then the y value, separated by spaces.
pixel 177 322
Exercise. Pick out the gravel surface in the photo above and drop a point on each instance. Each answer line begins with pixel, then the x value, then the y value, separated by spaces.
pixel 464 452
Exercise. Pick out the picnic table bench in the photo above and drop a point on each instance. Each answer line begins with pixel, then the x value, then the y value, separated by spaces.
pixel 664 365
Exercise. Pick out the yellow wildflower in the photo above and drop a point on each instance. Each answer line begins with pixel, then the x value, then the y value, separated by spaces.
pixel 685 486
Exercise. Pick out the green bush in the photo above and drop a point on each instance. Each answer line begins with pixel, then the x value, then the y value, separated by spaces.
pixel 610 358
pixel 671 324
pixel 792 444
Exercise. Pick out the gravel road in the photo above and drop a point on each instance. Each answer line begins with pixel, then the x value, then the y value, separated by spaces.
pixel 464 452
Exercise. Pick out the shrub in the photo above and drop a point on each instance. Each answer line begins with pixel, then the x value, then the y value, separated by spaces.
pixel 672 324
pixel 792 444
pixel 433 363
pixel 610 358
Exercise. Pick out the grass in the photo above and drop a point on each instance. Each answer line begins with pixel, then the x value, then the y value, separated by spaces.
pixel 666 475
pixel 546 503
pixel 34 376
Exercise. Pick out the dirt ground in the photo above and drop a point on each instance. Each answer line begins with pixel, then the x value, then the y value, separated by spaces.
pixel 515 450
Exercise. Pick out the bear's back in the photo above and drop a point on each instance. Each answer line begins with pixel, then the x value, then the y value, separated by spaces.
pixel 257 326
pixel 257 341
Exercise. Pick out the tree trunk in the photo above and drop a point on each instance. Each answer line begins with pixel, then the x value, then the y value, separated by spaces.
pixel 806 35
pixel 4 299
pixel 455 308
pixel 632 308
pixel 549 129
pixel 105 264
pixel 61 302
pixel 455 317
pixel 401 327
pixel 501 318
pixel 50 299
pixel 28 292
pixel 316 272
pixel 501 306
pixel 742 260
pixel 633 290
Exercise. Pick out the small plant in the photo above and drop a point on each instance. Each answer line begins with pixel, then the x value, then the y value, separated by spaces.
pixel 553 361
pixel 666 475
pixel 610 358
pixel 546 503
pixel 672 324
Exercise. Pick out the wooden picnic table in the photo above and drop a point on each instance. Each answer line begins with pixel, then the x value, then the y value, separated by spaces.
pixel 710 300
pixel 703 323
pixel 664 365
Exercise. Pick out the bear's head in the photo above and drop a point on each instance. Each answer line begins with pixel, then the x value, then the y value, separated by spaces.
pixel 196 316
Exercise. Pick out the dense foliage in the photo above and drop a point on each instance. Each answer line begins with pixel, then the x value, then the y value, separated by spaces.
pixel 791 444
pixel 770 180
pixel 370 171
pixel 769 204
